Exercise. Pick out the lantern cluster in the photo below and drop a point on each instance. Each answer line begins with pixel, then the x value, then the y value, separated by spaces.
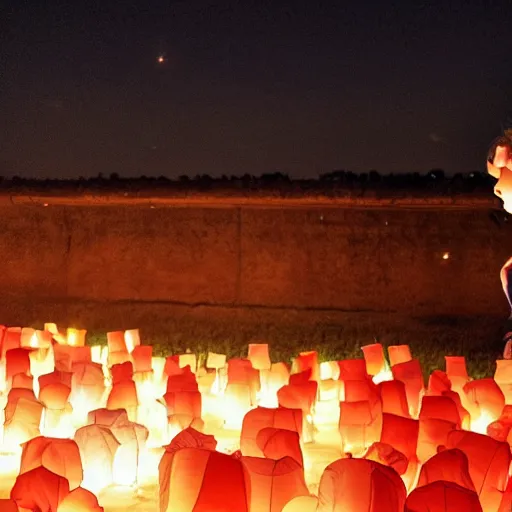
pixel 247 434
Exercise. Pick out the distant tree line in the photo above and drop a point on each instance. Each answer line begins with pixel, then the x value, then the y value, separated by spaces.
pixel 336 181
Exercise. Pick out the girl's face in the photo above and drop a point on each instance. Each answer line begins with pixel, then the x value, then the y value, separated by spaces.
pixel 501 169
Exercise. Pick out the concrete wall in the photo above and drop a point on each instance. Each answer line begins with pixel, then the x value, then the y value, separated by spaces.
pixel 75 262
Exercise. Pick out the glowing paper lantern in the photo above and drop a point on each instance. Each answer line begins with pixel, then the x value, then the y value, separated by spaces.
pixel 411 375
pixel 183 381
pixel 299 396
pixel 394 398
pixel 55 399
pixel 122 372
pixel 199 480
pixel 302 504
pixel 216 361
pixel 308 361
pixel 17 360
pixel 31 338
pixel 237 401
pixel 8 505
pixel 117 350
pixel 440 407
pixel 87 387
pixel 75 337
pixel 387 455
pixel 374 357
pixel 406 442
pixel 55 377
pixel 241 372
pixel 270 484
pixel 345 485
pixel 359 390
pixel 258 356
pixel 360 424
pixel 142 358
pixel 442 497
pixel 328 389
pixel 172 366
pixel 463 413
pixel 484 399
pixel 438 383
pixel 456 371
pixel 107 416
pixel 280 372
pixel 276 443
pixel 60 456
pixel 42 361
pixel 183 407
pixel 123 395
pixel 116 341
pixel 189 360
pixel 191 438
pixel 39 489
pixel 329 370
pixel 353 369
pixel 22 380
pixel 498 430
pixel 449 466
pixel 98 447
pixel 28 338
pixel 399 354
pixel 432 433
pixel 131 339
pixel 66 356
pixel 262 417
pixel 132 438
pixel 503 377
pixel 489 462
pixel 58 336
pixel 55 396
pixel 22 418
pixel 11 339
pixel 79 500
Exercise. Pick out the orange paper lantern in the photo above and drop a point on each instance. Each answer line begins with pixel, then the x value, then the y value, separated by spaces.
pixel 60 456
pixel 79 500
pixel 258 356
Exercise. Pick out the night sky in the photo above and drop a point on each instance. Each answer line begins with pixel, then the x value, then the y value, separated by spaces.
pixel 251 86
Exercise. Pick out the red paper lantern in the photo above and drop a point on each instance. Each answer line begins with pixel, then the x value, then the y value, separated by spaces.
pixel 489 463
pixel 201 480
pixel 442 497
pixel 262 417
pixel 39 489
pixel 271 484
pixel 276 443
pixel 346 485
pixel 449 466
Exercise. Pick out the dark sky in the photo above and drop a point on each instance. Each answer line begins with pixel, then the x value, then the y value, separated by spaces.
pixel 251 86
